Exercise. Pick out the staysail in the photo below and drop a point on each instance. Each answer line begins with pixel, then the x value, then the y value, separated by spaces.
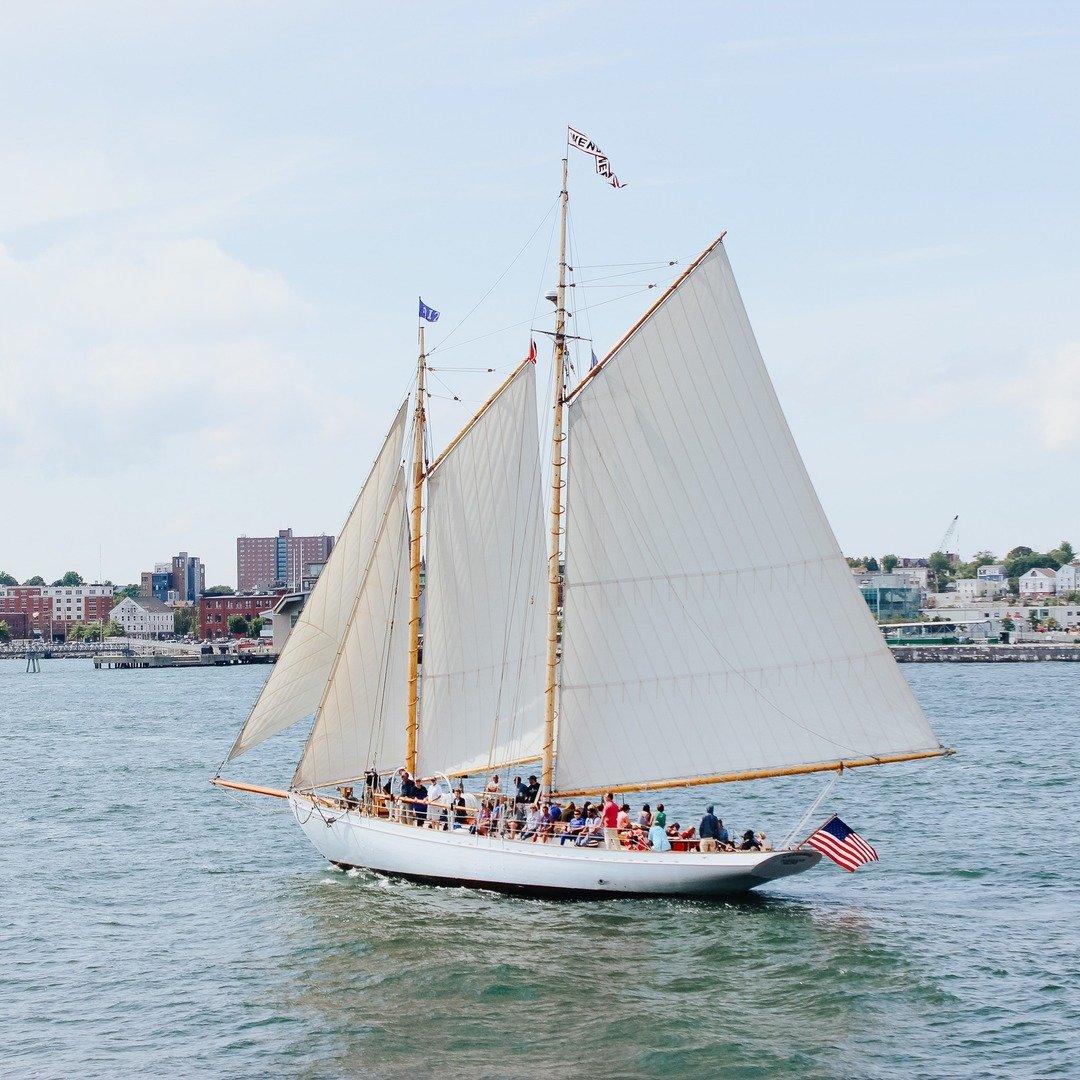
pixel 712 626
pixel 360 720
pixel 297 680
pixel 484 626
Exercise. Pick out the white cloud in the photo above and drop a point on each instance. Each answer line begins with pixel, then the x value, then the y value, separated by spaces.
pixel 1048 391
pixel 101 354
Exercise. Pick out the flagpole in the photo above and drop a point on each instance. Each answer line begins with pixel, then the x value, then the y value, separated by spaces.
pixel 414 560
pixel 557 439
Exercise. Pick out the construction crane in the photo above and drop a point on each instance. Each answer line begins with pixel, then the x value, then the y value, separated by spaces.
pixel 949 537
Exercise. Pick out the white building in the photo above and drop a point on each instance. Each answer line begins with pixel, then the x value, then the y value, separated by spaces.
pixel 1038 582
pixel 969 589
pixel 1068 579
pixel 78 603
pixel 143 616
pixel 917 575
pixel 992 572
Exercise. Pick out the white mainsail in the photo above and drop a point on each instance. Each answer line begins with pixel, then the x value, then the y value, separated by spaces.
pixel 484 625
pixel 360 720
pixel 297 680
pixel 712 626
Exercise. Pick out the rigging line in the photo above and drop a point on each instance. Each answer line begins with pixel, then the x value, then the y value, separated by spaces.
pixel 705 635
pixel 444 386
pixel 530 322
pixel 497 281
pixel 629 273
pixel 609 266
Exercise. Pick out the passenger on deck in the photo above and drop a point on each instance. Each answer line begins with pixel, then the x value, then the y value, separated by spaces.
pixel 611 822
pixel 493 785
pixel 483 819
pixel 749 841
pixel 521 805
pixel 532 789
pixel 593 833
pixel 408 791
pixel 348 798
pixel 461 813
pixel 763 841
pixel 709 830
pixel 658 831
pixel 574 827
pixel 420 808
pixel 644 819
pixel 532 823
pixel 724 838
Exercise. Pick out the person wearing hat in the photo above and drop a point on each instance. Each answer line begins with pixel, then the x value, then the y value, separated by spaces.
pixel 533 789
pixel 709 830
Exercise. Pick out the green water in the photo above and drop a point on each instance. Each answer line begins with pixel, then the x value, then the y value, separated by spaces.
pixel 153 925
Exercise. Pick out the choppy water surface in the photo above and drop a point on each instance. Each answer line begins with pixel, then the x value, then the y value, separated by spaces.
pixel 154 925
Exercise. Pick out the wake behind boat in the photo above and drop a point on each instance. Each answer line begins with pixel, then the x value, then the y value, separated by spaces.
pixel 701 625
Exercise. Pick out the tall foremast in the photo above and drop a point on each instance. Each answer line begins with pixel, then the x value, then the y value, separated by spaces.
pixel 414 559
pixel 557 439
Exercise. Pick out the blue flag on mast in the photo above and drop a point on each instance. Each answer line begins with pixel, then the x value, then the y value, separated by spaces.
pixel 429 314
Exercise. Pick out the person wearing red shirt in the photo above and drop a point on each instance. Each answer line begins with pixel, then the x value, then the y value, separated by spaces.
pixel 611 823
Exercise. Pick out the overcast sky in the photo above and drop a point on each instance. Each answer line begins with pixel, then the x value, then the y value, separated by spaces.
pixel 215 220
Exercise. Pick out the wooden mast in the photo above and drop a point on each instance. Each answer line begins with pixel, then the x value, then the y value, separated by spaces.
pixel 414 560
pixel 557 439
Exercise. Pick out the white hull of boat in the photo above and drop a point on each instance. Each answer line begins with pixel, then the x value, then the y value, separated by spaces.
pixel 462 859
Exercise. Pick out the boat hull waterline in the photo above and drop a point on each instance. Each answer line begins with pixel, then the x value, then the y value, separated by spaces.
pixel 350 839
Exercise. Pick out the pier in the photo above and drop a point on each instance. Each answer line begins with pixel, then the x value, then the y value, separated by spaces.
pixel 130 660
pixel 985 653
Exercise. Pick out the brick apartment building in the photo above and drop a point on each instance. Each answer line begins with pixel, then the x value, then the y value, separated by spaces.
pixel 269 562
pixel 51 610
pixel 215 611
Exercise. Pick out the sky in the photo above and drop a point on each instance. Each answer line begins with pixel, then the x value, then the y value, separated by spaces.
pixel 215 220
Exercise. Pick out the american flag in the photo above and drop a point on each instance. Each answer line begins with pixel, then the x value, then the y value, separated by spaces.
pixel 844 846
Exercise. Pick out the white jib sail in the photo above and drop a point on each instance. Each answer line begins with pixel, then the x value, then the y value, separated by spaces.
pixel 298 678
pixel 360 721
pixel 712 625
pixel 484 624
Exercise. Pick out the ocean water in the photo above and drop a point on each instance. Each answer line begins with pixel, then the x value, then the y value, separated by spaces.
pixel 154 925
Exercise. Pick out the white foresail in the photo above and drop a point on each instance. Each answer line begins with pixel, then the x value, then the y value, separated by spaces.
pixel 360 721
pixel 712 625
pixel 297 680
pixel 484 625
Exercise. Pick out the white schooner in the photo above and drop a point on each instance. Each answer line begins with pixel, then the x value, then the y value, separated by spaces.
pixel 692 620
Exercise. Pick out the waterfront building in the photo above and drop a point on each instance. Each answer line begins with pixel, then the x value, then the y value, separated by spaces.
pixel 282 561
pixel 88 603
pixel 51 610
pixel 215 611
pixel 1067 579
pixel 890 596
pixel 1039 581
pixel 29 602
pixel 143 616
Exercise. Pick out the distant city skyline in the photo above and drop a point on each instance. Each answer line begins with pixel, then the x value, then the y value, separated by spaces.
pixel 209 262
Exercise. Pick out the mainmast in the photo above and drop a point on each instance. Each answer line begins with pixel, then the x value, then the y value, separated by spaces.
pixel 557 439
pixel 414 560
